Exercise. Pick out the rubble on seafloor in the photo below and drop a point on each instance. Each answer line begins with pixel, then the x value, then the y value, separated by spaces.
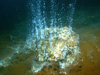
pixel 51 45
pixel 55 45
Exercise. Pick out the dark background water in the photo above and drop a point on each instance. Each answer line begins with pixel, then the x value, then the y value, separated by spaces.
pixel 12 12
pixel 16 11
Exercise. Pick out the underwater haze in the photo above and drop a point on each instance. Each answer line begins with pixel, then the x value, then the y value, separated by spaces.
pixel 30 25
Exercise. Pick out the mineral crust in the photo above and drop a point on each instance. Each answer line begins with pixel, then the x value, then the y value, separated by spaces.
pixel 56 45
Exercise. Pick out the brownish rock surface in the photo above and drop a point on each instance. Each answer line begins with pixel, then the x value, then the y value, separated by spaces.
pixel 89 62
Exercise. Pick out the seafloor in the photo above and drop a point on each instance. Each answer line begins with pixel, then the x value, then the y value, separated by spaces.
pixel 86 24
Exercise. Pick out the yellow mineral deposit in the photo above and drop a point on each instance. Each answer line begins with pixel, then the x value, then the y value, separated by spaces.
pixel 59 44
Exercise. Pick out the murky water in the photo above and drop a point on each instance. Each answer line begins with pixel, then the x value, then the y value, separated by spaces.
pixel 85 23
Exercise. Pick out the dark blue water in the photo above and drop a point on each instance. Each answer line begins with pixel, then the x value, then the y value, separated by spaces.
pixel 14 12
